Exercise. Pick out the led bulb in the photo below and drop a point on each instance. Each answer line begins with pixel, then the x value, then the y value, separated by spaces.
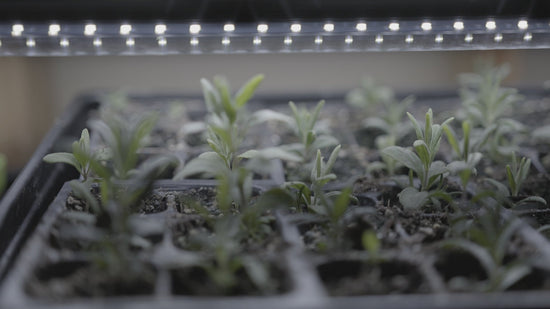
pixel 130 42
pixel 318 40
pixel 226 41
pixel 468 38
pixel 439 38
pixel 53 29
pixel 295 28
pixel 194 42
pixel 329 27
pixel 262 28
pixel 195 28
pixel 379 39
pixel 527 37
pixel 257 40
pixel 64 43
pixel 228 27
pixel 498 37
pixel 90 29
pixel 458 25
pixel 160 29
pixel 31 43
pixel 523 24
pixel 349 39
pixel 17 30
pixel 125 29
pixel 162 41
pixel 426 26
pixel 288 40
pixel 97 42
pixel 409 39
pixel 361 27
pixel 394 26
pixel 491 25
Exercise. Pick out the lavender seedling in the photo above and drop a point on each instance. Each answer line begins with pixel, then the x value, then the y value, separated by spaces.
pixel 422 163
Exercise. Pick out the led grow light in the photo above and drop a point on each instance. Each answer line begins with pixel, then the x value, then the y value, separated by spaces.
pixel 361 27
pixel 160 29
pixel 329 27
pixel 90 29
pixel 304 36
pixel 229 27
pixel 53 29
pixel 458 25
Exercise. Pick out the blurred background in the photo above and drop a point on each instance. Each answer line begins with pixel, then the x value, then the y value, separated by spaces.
pixel 34 91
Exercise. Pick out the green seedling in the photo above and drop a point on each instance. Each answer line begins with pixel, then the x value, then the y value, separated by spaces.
pixel 370 97
pixel 228 265
pixel 383 112
pixel 487 237
pixel 516 173
pixel 124 138
pixel 309 195
pixel 464 152
pixel 509 195
pixel 80 157
pixel 485 104
pixel 228 122
pixel 422 163
pixel 304 128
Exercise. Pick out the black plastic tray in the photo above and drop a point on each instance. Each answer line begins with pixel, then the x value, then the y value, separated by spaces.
pixel 38 183
pixel 32 193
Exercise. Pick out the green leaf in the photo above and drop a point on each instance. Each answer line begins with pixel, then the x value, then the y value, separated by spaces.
pixel 452 139
pixel 513 274
pixel 417 129
pixel 479 252
pixel 340 204
pixel 323 141
pixel 511 180
pixel 412 199
pixel 370 242
pixel 247 90
pixel 270 115
pixel 62 157
pixel 271 153
pixel 211 96
pixel 423 152
pixel 208 163
pixel 82 190
pixel 332 159
pixel 405 157
pixel 276 198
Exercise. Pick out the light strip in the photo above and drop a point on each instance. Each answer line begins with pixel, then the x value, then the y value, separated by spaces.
pixel 343 35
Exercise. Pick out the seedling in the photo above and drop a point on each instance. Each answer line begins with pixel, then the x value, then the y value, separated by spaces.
pixel 485 103
pixel 79 158
pixel 487 237
pixel 226 264
pixel 123 138
pixel 304 129
pixel 228 122
pixel 516 173
pixel 422 162
pixel 309 195
pixel 370 97
pixel 382 111
pixel 467 159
